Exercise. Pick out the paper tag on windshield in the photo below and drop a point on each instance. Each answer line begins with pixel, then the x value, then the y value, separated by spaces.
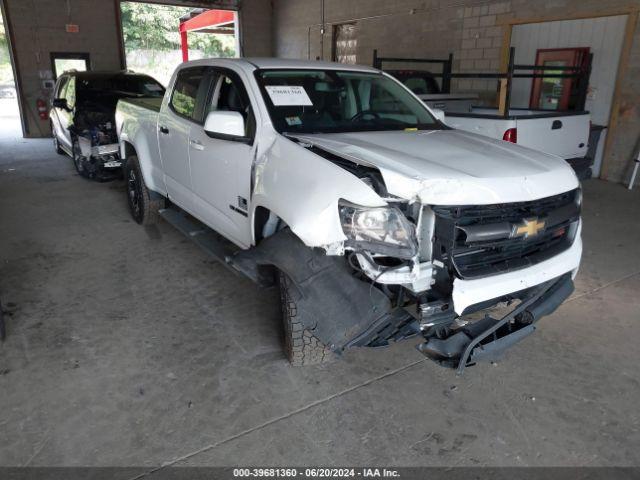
pixel 288 96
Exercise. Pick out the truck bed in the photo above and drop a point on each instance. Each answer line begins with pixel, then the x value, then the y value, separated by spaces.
pixel 565 134
pixel 514 113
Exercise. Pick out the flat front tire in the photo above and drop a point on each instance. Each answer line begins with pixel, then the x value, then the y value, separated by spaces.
pixel 78 158
pixel 301 346
pixel 144 208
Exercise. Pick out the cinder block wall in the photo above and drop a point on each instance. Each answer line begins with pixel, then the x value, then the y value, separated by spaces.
pixel 256 24
pixel 38 28
pixel 472 30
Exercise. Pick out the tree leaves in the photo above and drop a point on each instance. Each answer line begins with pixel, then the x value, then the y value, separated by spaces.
pixel 155 27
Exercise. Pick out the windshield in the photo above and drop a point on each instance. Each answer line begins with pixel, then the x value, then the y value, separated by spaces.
pixel 329 101
pixel 120 85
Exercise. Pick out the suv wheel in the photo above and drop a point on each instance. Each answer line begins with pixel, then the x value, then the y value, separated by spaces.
pixel 56 143
pixel 78 158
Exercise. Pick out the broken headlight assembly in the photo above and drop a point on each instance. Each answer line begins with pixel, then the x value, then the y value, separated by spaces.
pixel 381 230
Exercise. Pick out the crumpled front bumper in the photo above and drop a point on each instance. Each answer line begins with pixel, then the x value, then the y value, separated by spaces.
pixel 488 338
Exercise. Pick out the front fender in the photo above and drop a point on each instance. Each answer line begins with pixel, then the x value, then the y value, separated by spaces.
pixel 303 189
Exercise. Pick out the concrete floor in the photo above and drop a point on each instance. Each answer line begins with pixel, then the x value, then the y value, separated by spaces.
pixel 128 346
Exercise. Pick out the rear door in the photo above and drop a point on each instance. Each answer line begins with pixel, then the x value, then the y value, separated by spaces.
pixel 174 125
pixel 564 135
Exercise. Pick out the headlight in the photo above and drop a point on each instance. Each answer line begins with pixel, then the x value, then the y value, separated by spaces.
pixel 383 230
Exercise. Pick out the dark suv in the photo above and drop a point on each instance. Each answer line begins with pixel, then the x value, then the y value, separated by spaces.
pixel 83 117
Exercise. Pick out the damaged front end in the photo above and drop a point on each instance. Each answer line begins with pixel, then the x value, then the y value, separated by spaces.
pixel 97 154
pixel 443 272
pixel 465 261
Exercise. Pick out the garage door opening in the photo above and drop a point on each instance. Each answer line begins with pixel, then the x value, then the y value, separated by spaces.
pixel 9 111
pixel 154 40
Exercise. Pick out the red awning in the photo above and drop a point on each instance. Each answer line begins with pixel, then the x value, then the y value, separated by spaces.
pixel 208 19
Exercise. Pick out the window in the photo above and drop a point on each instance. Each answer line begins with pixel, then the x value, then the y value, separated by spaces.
pixel 189 87
pixel 69 92
pixel 124 84
pixel 330 101
pixel 65 61
pixel 230 95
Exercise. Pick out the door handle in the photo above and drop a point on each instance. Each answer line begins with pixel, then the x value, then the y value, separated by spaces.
pixel 163 129
pixel 196 145
pixel 557 124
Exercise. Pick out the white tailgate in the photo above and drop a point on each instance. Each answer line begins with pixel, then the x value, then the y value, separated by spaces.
pixel 493 127
pixel 564 135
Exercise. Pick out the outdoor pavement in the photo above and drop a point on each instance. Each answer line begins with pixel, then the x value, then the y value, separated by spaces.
pixel 128 346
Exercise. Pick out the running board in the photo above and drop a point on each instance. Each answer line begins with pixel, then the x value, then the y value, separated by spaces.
pixel 209 241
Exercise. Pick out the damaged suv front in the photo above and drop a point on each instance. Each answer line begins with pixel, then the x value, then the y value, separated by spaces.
pixel 83 117
pixel 464 240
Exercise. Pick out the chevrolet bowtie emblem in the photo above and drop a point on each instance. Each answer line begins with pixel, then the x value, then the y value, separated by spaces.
pixel 530 227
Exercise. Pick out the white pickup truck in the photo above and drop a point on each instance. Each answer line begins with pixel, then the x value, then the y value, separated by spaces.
pixel 378 221
pixel 565 134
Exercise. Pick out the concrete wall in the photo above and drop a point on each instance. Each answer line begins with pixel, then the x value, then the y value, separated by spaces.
pixel 38 28
pixel 472 30
pixel 256 25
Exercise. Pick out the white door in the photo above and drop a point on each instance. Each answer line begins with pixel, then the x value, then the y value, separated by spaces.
pixel 174 125
pixel 221 166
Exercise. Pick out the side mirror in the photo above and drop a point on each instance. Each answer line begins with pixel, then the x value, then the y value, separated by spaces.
pixel 60 103
pixel 225 125
pixel 439 114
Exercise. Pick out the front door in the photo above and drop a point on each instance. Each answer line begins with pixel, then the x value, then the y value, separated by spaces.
pixel 221 168
pixel 174 125
pixel 552 93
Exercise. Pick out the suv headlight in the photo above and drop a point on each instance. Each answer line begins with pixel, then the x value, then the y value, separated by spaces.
pixel 383 230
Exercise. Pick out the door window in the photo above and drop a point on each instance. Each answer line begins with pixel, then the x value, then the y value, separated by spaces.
pixel 69 92
pixel 230 95
pixel 61 87
pixel 189 92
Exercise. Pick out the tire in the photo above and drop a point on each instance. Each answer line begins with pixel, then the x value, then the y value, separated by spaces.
pixel 78 159
pixel 143 207
pixel 301 346
pixel 56 143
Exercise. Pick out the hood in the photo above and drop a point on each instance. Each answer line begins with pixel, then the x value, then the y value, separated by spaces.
pixel 451 167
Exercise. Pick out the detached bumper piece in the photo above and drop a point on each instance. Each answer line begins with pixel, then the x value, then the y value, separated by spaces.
pixel 104 163
pixel 393 327
pixel 488 338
